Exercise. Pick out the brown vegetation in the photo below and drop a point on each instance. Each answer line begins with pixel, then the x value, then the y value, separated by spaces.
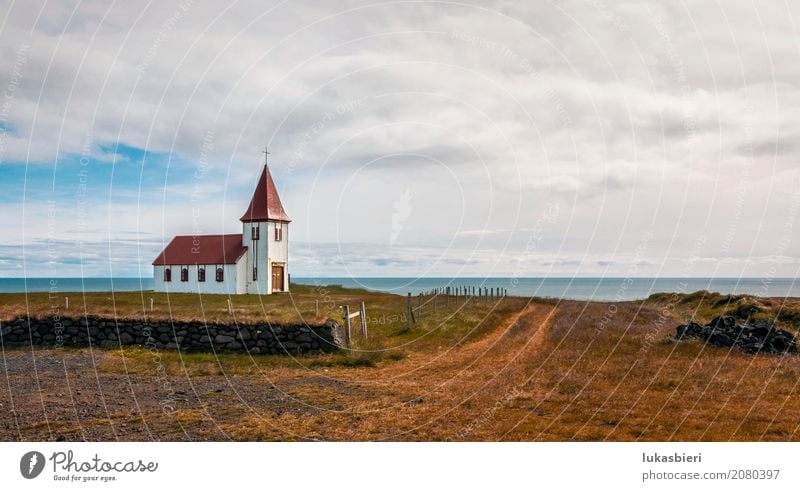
pixel 506 370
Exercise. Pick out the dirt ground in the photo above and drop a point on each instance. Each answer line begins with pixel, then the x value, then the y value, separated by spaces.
pixel 550 371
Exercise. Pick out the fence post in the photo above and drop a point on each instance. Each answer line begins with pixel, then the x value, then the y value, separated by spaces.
pixel 316 307
pixel 151 304
pixel 409 311
pixel 363 315
pixel 346 309
pixel 434 302
pixel 447 298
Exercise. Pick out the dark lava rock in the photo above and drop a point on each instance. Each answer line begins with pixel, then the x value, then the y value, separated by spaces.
pixel 759 336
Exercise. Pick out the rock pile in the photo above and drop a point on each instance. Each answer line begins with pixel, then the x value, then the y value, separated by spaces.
pixel 186 336
pixel 758 336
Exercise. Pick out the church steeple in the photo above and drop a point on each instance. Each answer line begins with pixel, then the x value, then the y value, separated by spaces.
pixel 265 204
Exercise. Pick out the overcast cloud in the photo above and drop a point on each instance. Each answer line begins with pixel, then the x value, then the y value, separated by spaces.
pixel 422 138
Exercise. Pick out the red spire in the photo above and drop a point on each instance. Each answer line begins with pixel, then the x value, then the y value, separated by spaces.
pixel 266 204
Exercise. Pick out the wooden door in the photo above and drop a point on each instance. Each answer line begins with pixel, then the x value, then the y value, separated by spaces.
pixel 277 278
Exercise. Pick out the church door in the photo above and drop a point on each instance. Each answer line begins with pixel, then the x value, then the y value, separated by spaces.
pixel 277 278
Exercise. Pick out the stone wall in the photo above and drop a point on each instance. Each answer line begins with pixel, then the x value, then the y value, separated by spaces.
pixel 186 336
pixel 758 336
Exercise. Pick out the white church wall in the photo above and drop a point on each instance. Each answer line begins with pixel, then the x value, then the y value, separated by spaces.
pixel 259 286
pixel 158 279
pixel 230 285
pixel 241 275
pixel 278 252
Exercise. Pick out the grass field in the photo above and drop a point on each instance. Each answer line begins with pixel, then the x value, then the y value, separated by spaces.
pixel 511 369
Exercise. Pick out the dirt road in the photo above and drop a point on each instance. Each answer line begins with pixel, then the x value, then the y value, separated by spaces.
pixel 550 372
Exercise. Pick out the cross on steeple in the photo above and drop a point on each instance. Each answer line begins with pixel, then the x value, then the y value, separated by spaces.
pixel 266 155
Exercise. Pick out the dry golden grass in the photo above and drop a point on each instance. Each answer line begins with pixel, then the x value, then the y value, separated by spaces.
pixel 299 305
pixel 511 370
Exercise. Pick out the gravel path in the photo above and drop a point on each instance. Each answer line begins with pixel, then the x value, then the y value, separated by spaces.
pixel 61 395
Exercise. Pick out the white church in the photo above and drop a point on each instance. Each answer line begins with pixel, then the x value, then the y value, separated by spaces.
pixel 255 261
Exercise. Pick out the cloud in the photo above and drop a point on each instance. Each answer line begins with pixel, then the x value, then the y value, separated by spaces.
pixel 627 115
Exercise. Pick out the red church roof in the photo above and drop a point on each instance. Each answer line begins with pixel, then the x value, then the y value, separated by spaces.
pixel 202 249
pixel 266 204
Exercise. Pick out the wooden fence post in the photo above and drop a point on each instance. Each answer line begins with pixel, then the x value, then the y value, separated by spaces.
pixel 346 315
pixel 151 304
pixel 363 315
pixel 409 311
pixel 419 306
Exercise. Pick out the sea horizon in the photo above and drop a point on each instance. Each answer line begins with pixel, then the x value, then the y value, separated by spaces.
pixel 616 288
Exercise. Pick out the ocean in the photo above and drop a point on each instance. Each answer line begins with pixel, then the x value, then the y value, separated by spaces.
pixel 566 288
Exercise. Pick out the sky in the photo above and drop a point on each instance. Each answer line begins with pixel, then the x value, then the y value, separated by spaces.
pixel 407 138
